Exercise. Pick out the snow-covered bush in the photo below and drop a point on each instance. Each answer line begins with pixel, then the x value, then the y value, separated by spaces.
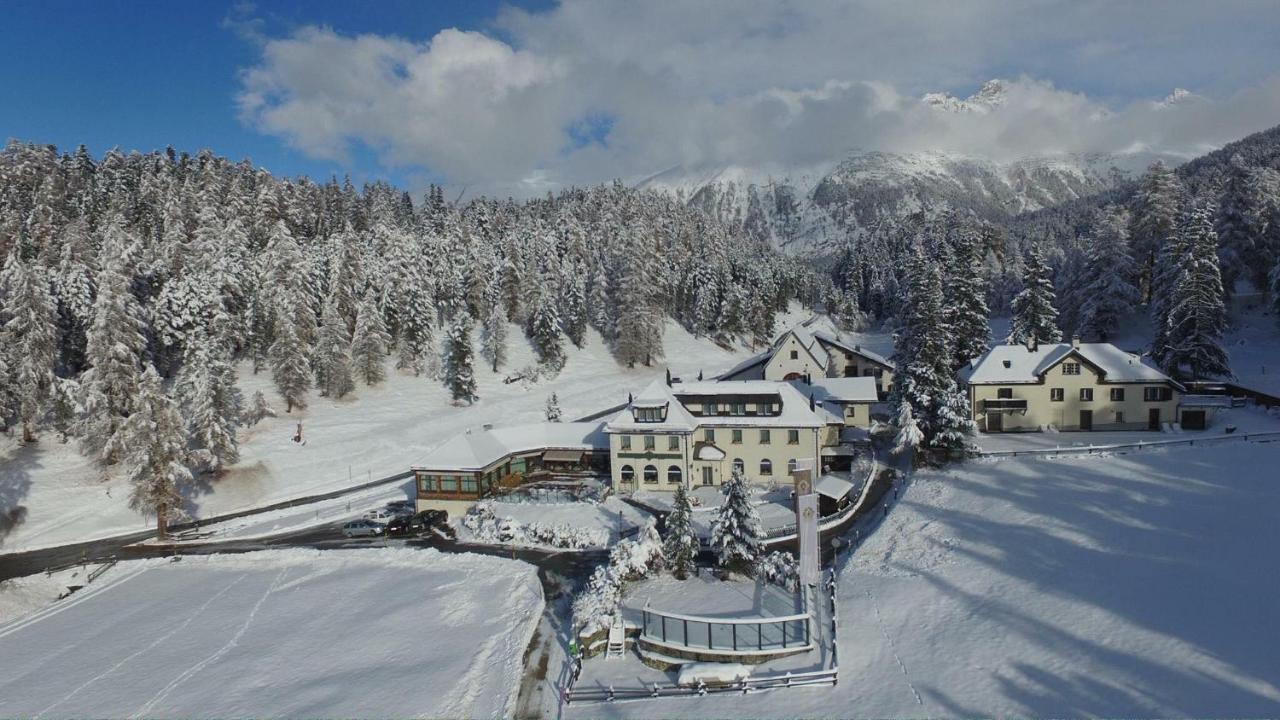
pixel 781 569
pixel 488 527
pixel 563 535
pixel 629 560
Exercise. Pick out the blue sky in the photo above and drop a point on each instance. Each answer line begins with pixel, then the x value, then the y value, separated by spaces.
pixel 143 74
pixel 524 97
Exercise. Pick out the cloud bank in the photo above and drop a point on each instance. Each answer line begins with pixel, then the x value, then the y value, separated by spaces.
pixel 594 90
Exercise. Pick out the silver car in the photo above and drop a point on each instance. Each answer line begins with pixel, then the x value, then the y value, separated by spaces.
pixel 363 528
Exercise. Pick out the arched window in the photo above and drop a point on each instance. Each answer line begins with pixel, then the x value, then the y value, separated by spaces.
pixel 766 467
pixel 650 474
pixel 791 466
pixel 674 476
pixel 628 473
pixel 739 466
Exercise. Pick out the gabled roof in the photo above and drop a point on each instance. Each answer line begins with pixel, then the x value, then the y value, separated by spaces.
pixel 745 365
pixel 795 407
pixel 806 341
pixel 655 393
pixel 852 348
pixel 841 390
pixel 477 449
pixel 1013 364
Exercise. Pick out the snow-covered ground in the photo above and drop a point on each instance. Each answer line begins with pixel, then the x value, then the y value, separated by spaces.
pixel 1245 420
pixel 375 432
pixel 361 633
pixel 605 520
pixel 1141 585
pixel 21 596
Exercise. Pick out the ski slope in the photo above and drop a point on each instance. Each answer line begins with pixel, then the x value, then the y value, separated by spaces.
pixel 380 633
pixel 377 431
pixel 1141 585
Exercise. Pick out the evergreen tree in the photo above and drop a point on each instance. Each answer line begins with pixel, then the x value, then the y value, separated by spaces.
pixel 544 333
pixel 459 375
pixel 680 546
pixel 493 332
pixel 966 314
pixel 1108 290
pixel 909 437
pixel 209 395
pixel 735 529
pixel 1154 219
pixel 370 343
pixel 154 442
pixel 333 354
pixel 1034 316
pixel 290 370
pixel 258 409
pixel 415 342
pixel 115 347
pixel 552 411
pixel 30 335
pixel 1197 314
pixel 1239 223
pixel 574 316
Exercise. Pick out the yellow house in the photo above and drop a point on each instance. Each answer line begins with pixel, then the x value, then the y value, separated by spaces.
pixel 1068 386
pixel 698 432
pixel 801 353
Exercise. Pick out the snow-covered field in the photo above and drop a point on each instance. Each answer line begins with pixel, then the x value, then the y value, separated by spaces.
pixel 364 633
pixel 376 431
pixel 1140 586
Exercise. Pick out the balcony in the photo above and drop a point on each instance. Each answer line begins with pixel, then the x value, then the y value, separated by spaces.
pixel 1005 405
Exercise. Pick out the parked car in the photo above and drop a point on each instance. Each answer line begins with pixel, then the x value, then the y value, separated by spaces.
pixel 401 507
pixel 433 517
pixel 381 515
pixel 363 528
pixel 406 525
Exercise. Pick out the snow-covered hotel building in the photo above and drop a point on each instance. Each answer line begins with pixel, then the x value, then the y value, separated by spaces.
pixel 696 433
pixel 1072 386
pixel 799 353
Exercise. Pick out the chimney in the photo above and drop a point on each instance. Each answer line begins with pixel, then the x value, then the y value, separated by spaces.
pixel 699 376
pixel 813 405
pixel 1075 341
pixel 629 400
pixel 668 377
pixel 1033 343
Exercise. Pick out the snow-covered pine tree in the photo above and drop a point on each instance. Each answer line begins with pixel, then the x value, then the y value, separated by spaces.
pixel 1197 313
pixel 639 327
pixel 114 347
pixel 909 437
pixel 967 312
pixel 290 370
pixel 370 342
pixel 1108 291
pixel 680 546
pixel 459 374
pixel 1166 278
pixel 30 334
pixel 493 331
pixel 415 345
pixel 544 332
pixel 258 409
pixel 574 313
pixel 552 410
pixel 1154 219
pixel 153 442
pixel 1034 316
pixel 207 392
pixel 735 529
pixel 1239 223
pixel 333 354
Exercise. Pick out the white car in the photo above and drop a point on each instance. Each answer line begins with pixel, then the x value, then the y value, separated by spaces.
pixel 381 515
pixel 363 528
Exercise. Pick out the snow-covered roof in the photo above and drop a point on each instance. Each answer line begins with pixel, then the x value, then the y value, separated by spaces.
pixel 841 389
pixel 795 410
pixel 678 419
pixel 751 362
pixel 477 449
pixel 1012 364
pixel 853 348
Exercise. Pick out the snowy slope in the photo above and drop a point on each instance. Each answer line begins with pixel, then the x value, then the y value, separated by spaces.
pixel 385 633
pixel 1136 586
pixel 374 432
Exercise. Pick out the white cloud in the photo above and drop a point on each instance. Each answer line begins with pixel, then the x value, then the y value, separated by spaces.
pixel 768 84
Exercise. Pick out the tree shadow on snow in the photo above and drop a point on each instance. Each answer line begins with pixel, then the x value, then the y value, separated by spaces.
pixel 15 484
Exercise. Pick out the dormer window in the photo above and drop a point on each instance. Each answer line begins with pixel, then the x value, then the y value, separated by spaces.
pixel 654 414
pixel 1070 368
pixel 1008 364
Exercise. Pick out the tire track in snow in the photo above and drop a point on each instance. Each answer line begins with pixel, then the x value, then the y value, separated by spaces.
pixel 194 669
pixel 148 648
pixel 893 648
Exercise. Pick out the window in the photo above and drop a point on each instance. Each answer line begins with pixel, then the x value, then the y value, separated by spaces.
pixel 1004 393
pixel 1119 418
pixel 793 437
pixel 469 484
pixel 1156 394
pixel 1070 368
pixel 738 409
pixel 851 411
pixel 709 435
pixel 673 442
pixel 737 436
pixel 879 373
pixel 710 407
pixel 1056 394
pixel 1117 395
pixel 739 466
pixel 766 467
pixel 791 466
pixel 851 371
pixel 868 372
pixel 650 474
pixel 1086 394
pixel 764 437
pixel 650 442
pixel 674 476
pixel 795 355
pixel 627 473
pixel 648 414
pixel 706 475
pixel 448 483
pixel 625 442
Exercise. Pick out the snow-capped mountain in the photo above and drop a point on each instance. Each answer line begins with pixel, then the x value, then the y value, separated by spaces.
pixel 990 96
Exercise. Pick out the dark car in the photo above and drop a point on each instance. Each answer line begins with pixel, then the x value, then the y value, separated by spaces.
pixel 406 525
pixel 433 517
